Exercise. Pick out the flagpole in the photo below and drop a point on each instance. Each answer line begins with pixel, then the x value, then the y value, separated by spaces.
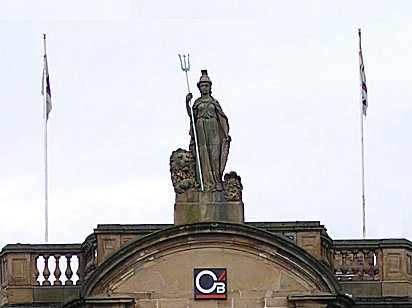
pixel 363 179
pixel 362 114
pixel 46 184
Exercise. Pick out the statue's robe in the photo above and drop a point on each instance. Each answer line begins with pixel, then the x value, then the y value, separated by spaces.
pixel 212 129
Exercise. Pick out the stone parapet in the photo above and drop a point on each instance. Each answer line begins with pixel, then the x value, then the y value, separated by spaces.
pixel 110 238
pixel 49 273
pixel 371 271
pixel 309 235
pixel 374 268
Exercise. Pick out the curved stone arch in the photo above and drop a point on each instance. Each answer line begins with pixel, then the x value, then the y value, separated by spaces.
pixel 223 239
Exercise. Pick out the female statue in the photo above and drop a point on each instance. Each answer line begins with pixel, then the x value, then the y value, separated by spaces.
pixel 212 130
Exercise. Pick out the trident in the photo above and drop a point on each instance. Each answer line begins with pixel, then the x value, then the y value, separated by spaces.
pixel 186 67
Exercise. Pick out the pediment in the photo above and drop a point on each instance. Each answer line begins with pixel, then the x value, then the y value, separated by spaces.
pixel 258 263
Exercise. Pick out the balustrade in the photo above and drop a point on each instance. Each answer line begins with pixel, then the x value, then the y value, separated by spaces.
pixel 377 260
pixel 42 265
pixel 23 265
pixel 356 263
pixel 58 269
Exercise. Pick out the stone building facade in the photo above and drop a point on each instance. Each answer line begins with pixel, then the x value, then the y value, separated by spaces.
pixel 266 264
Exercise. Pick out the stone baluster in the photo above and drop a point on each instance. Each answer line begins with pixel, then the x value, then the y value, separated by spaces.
pixel 344 267
pixel 355 263
pixel 69 272
pixel 46 271
pixel 57 271
pixel 369 261
pixel 36 272
pixel 377 268
pixel 372 264
pixel 337 260
pixel 349 262
pixel 361 260
pixel 366 264
pixel 80 269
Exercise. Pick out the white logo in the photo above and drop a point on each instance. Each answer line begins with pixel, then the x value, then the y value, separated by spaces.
pixel 218 286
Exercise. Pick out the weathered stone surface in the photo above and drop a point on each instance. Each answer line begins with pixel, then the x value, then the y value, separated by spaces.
pixel 107 245
pixel 319 300
pixel 49 294
pixel 172 303
pixel 393 288
pixel 182 170
pixel 376 273
pixel 232 186
pixel 20 295
pixel 290 283
pixel 362 289
pixel 196 206
pixel 276 302
pixel 249 302
pixel 146 304
pixel 225 304
pixel 194 212
pixel 310 241
pixel 256 261
pixel 19 265
pixel 201 304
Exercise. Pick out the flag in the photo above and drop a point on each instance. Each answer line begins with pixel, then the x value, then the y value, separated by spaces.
pixel 46 88
pixel 364 89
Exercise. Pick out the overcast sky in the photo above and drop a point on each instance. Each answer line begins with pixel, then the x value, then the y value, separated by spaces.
pixel 285 73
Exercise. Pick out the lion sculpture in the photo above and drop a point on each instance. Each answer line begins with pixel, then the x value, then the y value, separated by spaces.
pixel 182 170
pixel 232 185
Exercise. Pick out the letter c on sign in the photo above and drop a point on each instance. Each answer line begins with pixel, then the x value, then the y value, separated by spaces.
pixel 200 275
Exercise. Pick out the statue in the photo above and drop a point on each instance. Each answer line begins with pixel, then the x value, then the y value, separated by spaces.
pixel 200 192
pixel 212 132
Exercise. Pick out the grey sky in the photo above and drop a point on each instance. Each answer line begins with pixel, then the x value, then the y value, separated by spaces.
pixel 290 68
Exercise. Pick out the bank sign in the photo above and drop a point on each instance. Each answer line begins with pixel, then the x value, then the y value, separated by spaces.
pixel 210 283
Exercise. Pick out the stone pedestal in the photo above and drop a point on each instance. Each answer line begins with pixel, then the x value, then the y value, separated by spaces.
pixel 195 206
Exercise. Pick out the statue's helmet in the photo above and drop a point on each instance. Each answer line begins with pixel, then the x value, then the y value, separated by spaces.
pixel 204 78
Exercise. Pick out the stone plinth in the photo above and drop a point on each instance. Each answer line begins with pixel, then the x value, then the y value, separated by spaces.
pixel 195 206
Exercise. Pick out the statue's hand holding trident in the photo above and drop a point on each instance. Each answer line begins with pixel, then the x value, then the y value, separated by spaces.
pixel 189 97
pixel 186 67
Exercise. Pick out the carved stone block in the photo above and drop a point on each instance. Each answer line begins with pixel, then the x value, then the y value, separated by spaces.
pixel 19 267
pixel 107 244
pixel 193 212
